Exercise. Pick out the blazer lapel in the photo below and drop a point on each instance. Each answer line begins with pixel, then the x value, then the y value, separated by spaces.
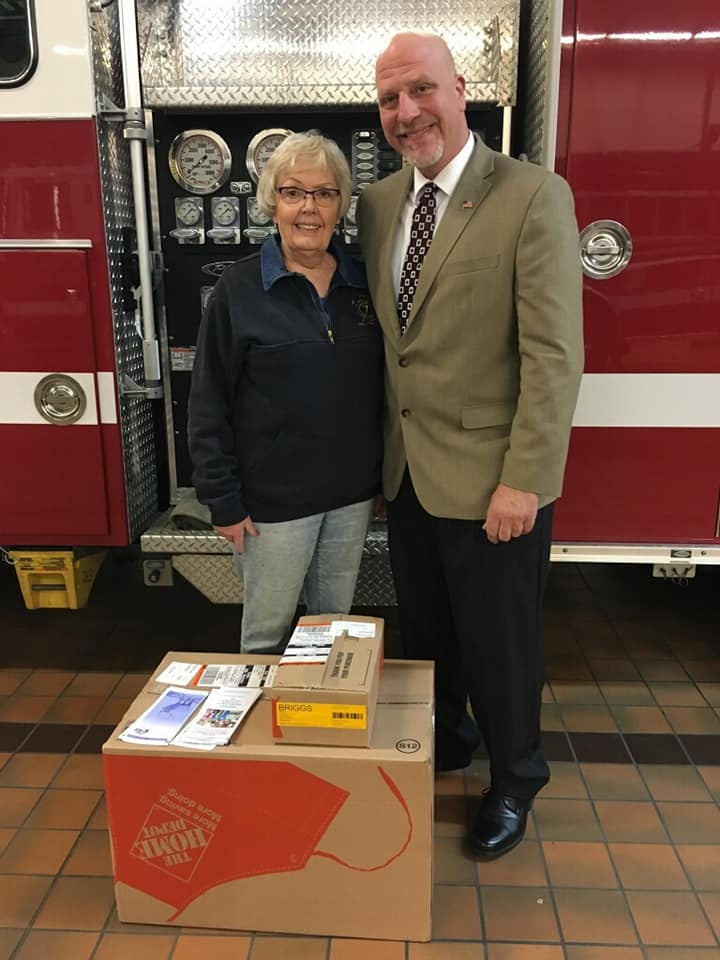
pixel 472 188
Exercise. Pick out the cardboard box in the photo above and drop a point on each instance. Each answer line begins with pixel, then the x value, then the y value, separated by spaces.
pixel 267 836
pixel 326 693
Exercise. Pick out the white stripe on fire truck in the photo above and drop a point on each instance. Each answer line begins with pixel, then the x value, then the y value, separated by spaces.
pixel 649 400
pixel 17 397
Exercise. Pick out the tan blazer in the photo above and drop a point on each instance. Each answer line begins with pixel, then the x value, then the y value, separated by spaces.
pixel 483 385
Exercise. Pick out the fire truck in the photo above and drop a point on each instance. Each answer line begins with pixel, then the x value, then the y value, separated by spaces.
pixel 133 133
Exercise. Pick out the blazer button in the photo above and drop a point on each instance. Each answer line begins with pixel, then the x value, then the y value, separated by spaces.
pixel 405 412
pixel 403 361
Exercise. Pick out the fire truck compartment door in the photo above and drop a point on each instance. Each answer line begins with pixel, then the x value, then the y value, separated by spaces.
pixel 52 480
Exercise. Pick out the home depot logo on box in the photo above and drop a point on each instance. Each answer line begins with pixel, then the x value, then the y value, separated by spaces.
pixel 175 843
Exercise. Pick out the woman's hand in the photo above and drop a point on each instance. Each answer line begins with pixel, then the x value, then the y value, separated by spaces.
pixel 235 533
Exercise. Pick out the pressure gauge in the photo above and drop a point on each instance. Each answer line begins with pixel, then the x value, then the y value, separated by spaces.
pixel 225 212
pixel 261 147
pixel 188 212
pixel 199 161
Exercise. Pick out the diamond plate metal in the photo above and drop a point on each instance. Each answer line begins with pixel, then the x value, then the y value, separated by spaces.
pixel 191 550
pixel 536 80
pixel 136 420
pixel 214 577
pixel 205 53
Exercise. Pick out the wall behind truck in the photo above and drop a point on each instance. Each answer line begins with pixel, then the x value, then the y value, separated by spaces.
pixel 63 207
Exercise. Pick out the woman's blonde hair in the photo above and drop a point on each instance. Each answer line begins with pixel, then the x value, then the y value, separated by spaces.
pixel 309 148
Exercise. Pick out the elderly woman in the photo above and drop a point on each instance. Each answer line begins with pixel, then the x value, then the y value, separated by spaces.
pixel 286 400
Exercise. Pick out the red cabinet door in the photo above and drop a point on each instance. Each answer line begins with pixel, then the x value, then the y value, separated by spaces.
pixel 642 147
pixel 52 478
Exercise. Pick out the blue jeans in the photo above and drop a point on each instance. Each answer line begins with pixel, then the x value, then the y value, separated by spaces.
pixel 320 553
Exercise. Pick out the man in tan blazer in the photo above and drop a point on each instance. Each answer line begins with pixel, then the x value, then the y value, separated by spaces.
pixel 482 378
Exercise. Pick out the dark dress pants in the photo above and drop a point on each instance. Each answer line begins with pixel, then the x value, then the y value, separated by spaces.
pixel 475 608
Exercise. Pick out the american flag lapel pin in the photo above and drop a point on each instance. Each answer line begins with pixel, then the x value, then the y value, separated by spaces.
pixel 467 204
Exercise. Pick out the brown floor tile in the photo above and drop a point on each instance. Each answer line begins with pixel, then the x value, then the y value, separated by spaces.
pixel 626 692
pixel 16 804
pixel 442 951
pixel 450 784
pixel 8 941
pixel 64 809
pixel 503 906
pixel 74 710
pixel 579 865
pixel 218 948
pixel 682 953
pixel 594 916
pixel 711 692
pixel 566 820
pixel 452 863
pixel 113 710
pixel 524 951
pixel 130 685
pixel 30 770
pixel 121 946
pixel 567 669
pixel 547 695
pixel 10 680
pixel 51 945
pixel 614 781
pixel 593 717
pixel 98 821
pixel 583 693
pixel 20 709
pixel 456 914
pixel 91 856
pixel 613 670
pixel 703 671
pixel 662 671
pixel 551 717
pixel 693 649
pixel 711 903
pixel 19 899
pixel 346 950
pixel 53 738
pixel 693 719
pixel 77 903
pixel 283 948
pixel 521 867
pixel 702 864
pixel 90 684
pixel 81 771
pixel 37 851
pixel 674 783
pixel 670 919
pixel 691 822
pixel 648 650
pixel 627 820
pixel 6 835
pixel 648 866
pixel 4 757
pixel 640 719
pixel 565 782
pixel 711 776
pixel 46 683
pixel 451 816
pixel 575 952
pixel 677 695
pixel 114 925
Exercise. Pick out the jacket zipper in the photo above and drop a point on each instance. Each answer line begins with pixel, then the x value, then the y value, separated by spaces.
pixel 327 320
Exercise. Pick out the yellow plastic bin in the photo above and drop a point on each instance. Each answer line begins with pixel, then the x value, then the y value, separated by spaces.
pixel 56 578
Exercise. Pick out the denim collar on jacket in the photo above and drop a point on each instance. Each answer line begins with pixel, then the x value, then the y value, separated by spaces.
pixel 272 265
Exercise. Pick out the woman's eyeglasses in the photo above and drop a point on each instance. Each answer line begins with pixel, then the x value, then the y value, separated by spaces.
pixel 323 197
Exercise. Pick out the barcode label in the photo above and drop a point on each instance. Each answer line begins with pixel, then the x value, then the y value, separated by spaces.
pixel 340 715
pixel 237 675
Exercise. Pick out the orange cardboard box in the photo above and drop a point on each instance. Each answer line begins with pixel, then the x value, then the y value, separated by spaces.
pixel 267 836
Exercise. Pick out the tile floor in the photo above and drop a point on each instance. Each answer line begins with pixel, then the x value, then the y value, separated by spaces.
pixel 622 858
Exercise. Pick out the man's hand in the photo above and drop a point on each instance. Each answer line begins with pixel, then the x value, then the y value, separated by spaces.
pixel 511 513
pixel 235 533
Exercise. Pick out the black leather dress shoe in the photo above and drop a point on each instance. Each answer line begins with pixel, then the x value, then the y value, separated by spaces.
pixel 499 825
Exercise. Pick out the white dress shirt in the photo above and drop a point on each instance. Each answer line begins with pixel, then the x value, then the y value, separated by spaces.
pixel 446 182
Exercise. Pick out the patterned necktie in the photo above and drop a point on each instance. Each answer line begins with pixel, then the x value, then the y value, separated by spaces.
pixel 421 233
